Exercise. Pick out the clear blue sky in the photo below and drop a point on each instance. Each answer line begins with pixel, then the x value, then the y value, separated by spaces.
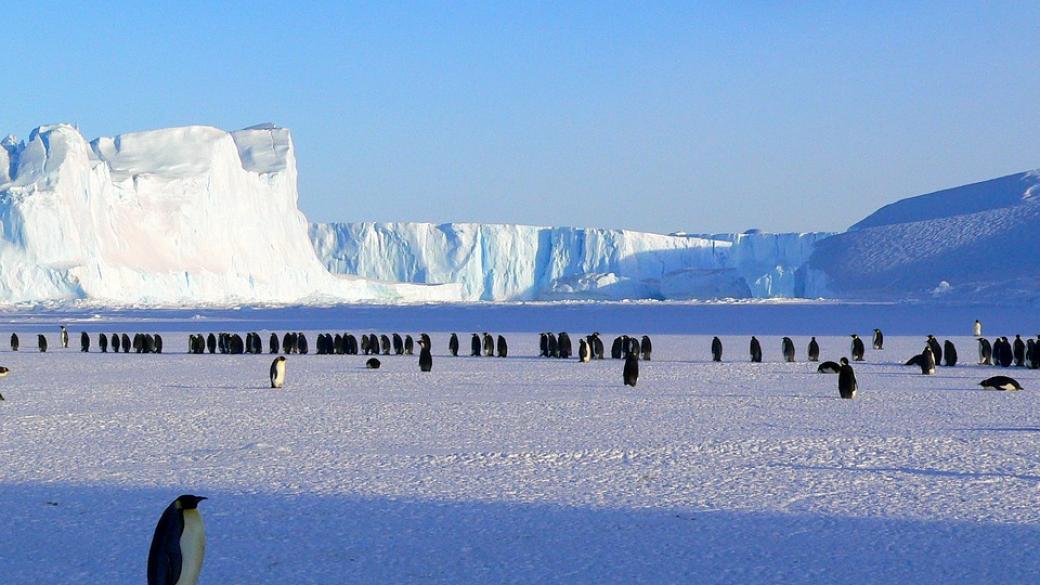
pixel 652 116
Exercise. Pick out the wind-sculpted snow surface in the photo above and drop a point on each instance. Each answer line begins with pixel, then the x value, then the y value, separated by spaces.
pixel 189 215
pixel 977 242
pixel 514 262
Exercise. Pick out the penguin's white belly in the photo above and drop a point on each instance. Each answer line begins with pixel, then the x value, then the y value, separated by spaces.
pixel 279 375
pixel 193 548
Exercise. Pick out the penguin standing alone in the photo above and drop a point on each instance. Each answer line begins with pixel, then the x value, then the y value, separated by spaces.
pixel 976 329
pixel 41 341
pixel 84 342
pixel 453 345
pixel 879 339
pixel 756 350
pixel 787 347
pixel 814 350
pixel 425 359
pixel 631 371
pixel 847 384
pixel 278 372
pixel 64 337
pixel 716 349
pixel 857 348
pixel 14 342
pixel 178 545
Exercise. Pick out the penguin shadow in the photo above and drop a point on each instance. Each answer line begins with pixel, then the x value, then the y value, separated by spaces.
pixel 211 387
pixel 938 473
pixel 1001 429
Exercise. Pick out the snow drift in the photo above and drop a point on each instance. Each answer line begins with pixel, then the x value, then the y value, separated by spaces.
pixel 191 215
pixel 976 242
pixel 517 262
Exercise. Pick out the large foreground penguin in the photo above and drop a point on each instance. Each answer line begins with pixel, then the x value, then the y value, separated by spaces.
pixel 847 384
pixel 178 545
pixel 278 372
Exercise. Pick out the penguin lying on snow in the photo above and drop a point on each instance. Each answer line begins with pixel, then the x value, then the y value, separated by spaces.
pixel 178 545
pixel 373 364
pixel 828 368
pixel 1001 383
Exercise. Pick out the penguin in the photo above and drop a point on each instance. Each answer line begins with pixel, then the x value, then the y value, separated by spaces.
pixel 489 345
pixel 287 343
pixel 14 342
pixel 949 353
pixel 787 347
pixel 847 385
pixel 126 343
pixel 597 346
pixel 1001 383
pixel 41 341
pixel 64 337
pixel 631 371
pixel 976 330
pixel 84 342
pixel 917 360
pixel 272 343
pixel 138 343
pixel 103 342
pixel 928 362
pixel 829 368
pixel 453 344
pixel 615 348
pixel 211 343
pixel 716 349
pixel 1032 354
pixel 278 372
pixel 372 364
pixel 879 339
pixel 236 346
pixel 149 343
pixel 1006 353
pixel 301 343
pixel 398 344
pixel 985 352
pixel 425 338
pixel 933 343
pixel 425 359
pixel 409 345
pixel 647 348
pixel 543 344
pixel 1019 351
pixel 756 350
pixel 474 346
pixel 115 343
pixel 857 348
pixel 563 345
pixel 583 351
pixel 814 350
pixel 158 343
pixel 178 545
pixel 502 347
pixel 258 345
pixel 633 347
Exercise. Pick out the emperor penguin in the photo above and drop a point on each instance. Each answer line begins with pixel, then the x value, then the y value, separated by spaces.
pixel 787 347
pixel 14 342
pixel 933 343
pixel 158 343
pixel 115 343
pixel 928 362
pixel 425 358
pixel 756 350
pixel 301 343
pixel 398 344
pixel 584 355
pixel 211 343
pixel 502 347
pixel 985 352
pixel 84 341
pixel 879 339
pixel 41 341
pixel 1019 351
pixel 847 385
pixel 179 544
pixel 830 367
pixel 372 364
pixel 103 342
pixel 552 345
pixel 453 345
pixel 976 330
pixel 631 371
pixel 126 343
pixel 615 348
pixel 857 348
pixel 814 350
pixel 384 344
pixel 409 345
pixel 647 348
pixel 278 372
pixel 474 346
pixel 716 349
pixel 489 345
pixel 1001 383
pixel 543 344
pixel 1006 355
pixel 273 343
pixel 64 337
pixel 949 353
pixel 563 345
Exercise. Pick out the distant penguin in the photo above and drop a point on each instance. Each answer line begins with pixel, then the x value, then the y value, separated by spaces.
pixel 976 330
pixel 597 346
pixel 178 545
pixel 616 347
pixel 933 343
pixel 425 358
pixel 502 347
pixel 857 348
pixel 64 337
pixel 474 346
pixel 41 342
pixel 543 345
pixel 398 344
pixel 928 361
pixel 631 371
pixel 372 364
pixel 647 348
pixel 258 345
pixel 584 355
pixel 158 343
pixel 409 345
pixel 1007 355
pixel 1001 383
pixel 138 343
pixel 149 343
pixel 985 352
pixel 489 345
pixel 949 353
pixel 84 342
pixel 287 343
pixel 1019 351
pixel 829 368
pixel 115 343
pixel 272 343
pixel 126 343
pixel 787 348
pixel 756 350
pixel 1032 354
pixel 14 342
pixel 211 343
pixel 301 343
pixel 813 351
pixel 716 349
pixel 278 372
pixel 103 342
pixel 847 384
pixel 453 345
pixel 879 339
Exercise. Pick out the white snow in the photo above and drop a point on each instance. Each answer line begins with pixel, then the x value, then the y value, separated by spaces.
pixel 525 470
pixel 517 262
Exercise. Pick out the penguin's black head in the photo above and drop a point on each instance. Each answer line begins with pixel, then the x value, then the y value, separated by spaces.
pixel 844 361
pixel 189 502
